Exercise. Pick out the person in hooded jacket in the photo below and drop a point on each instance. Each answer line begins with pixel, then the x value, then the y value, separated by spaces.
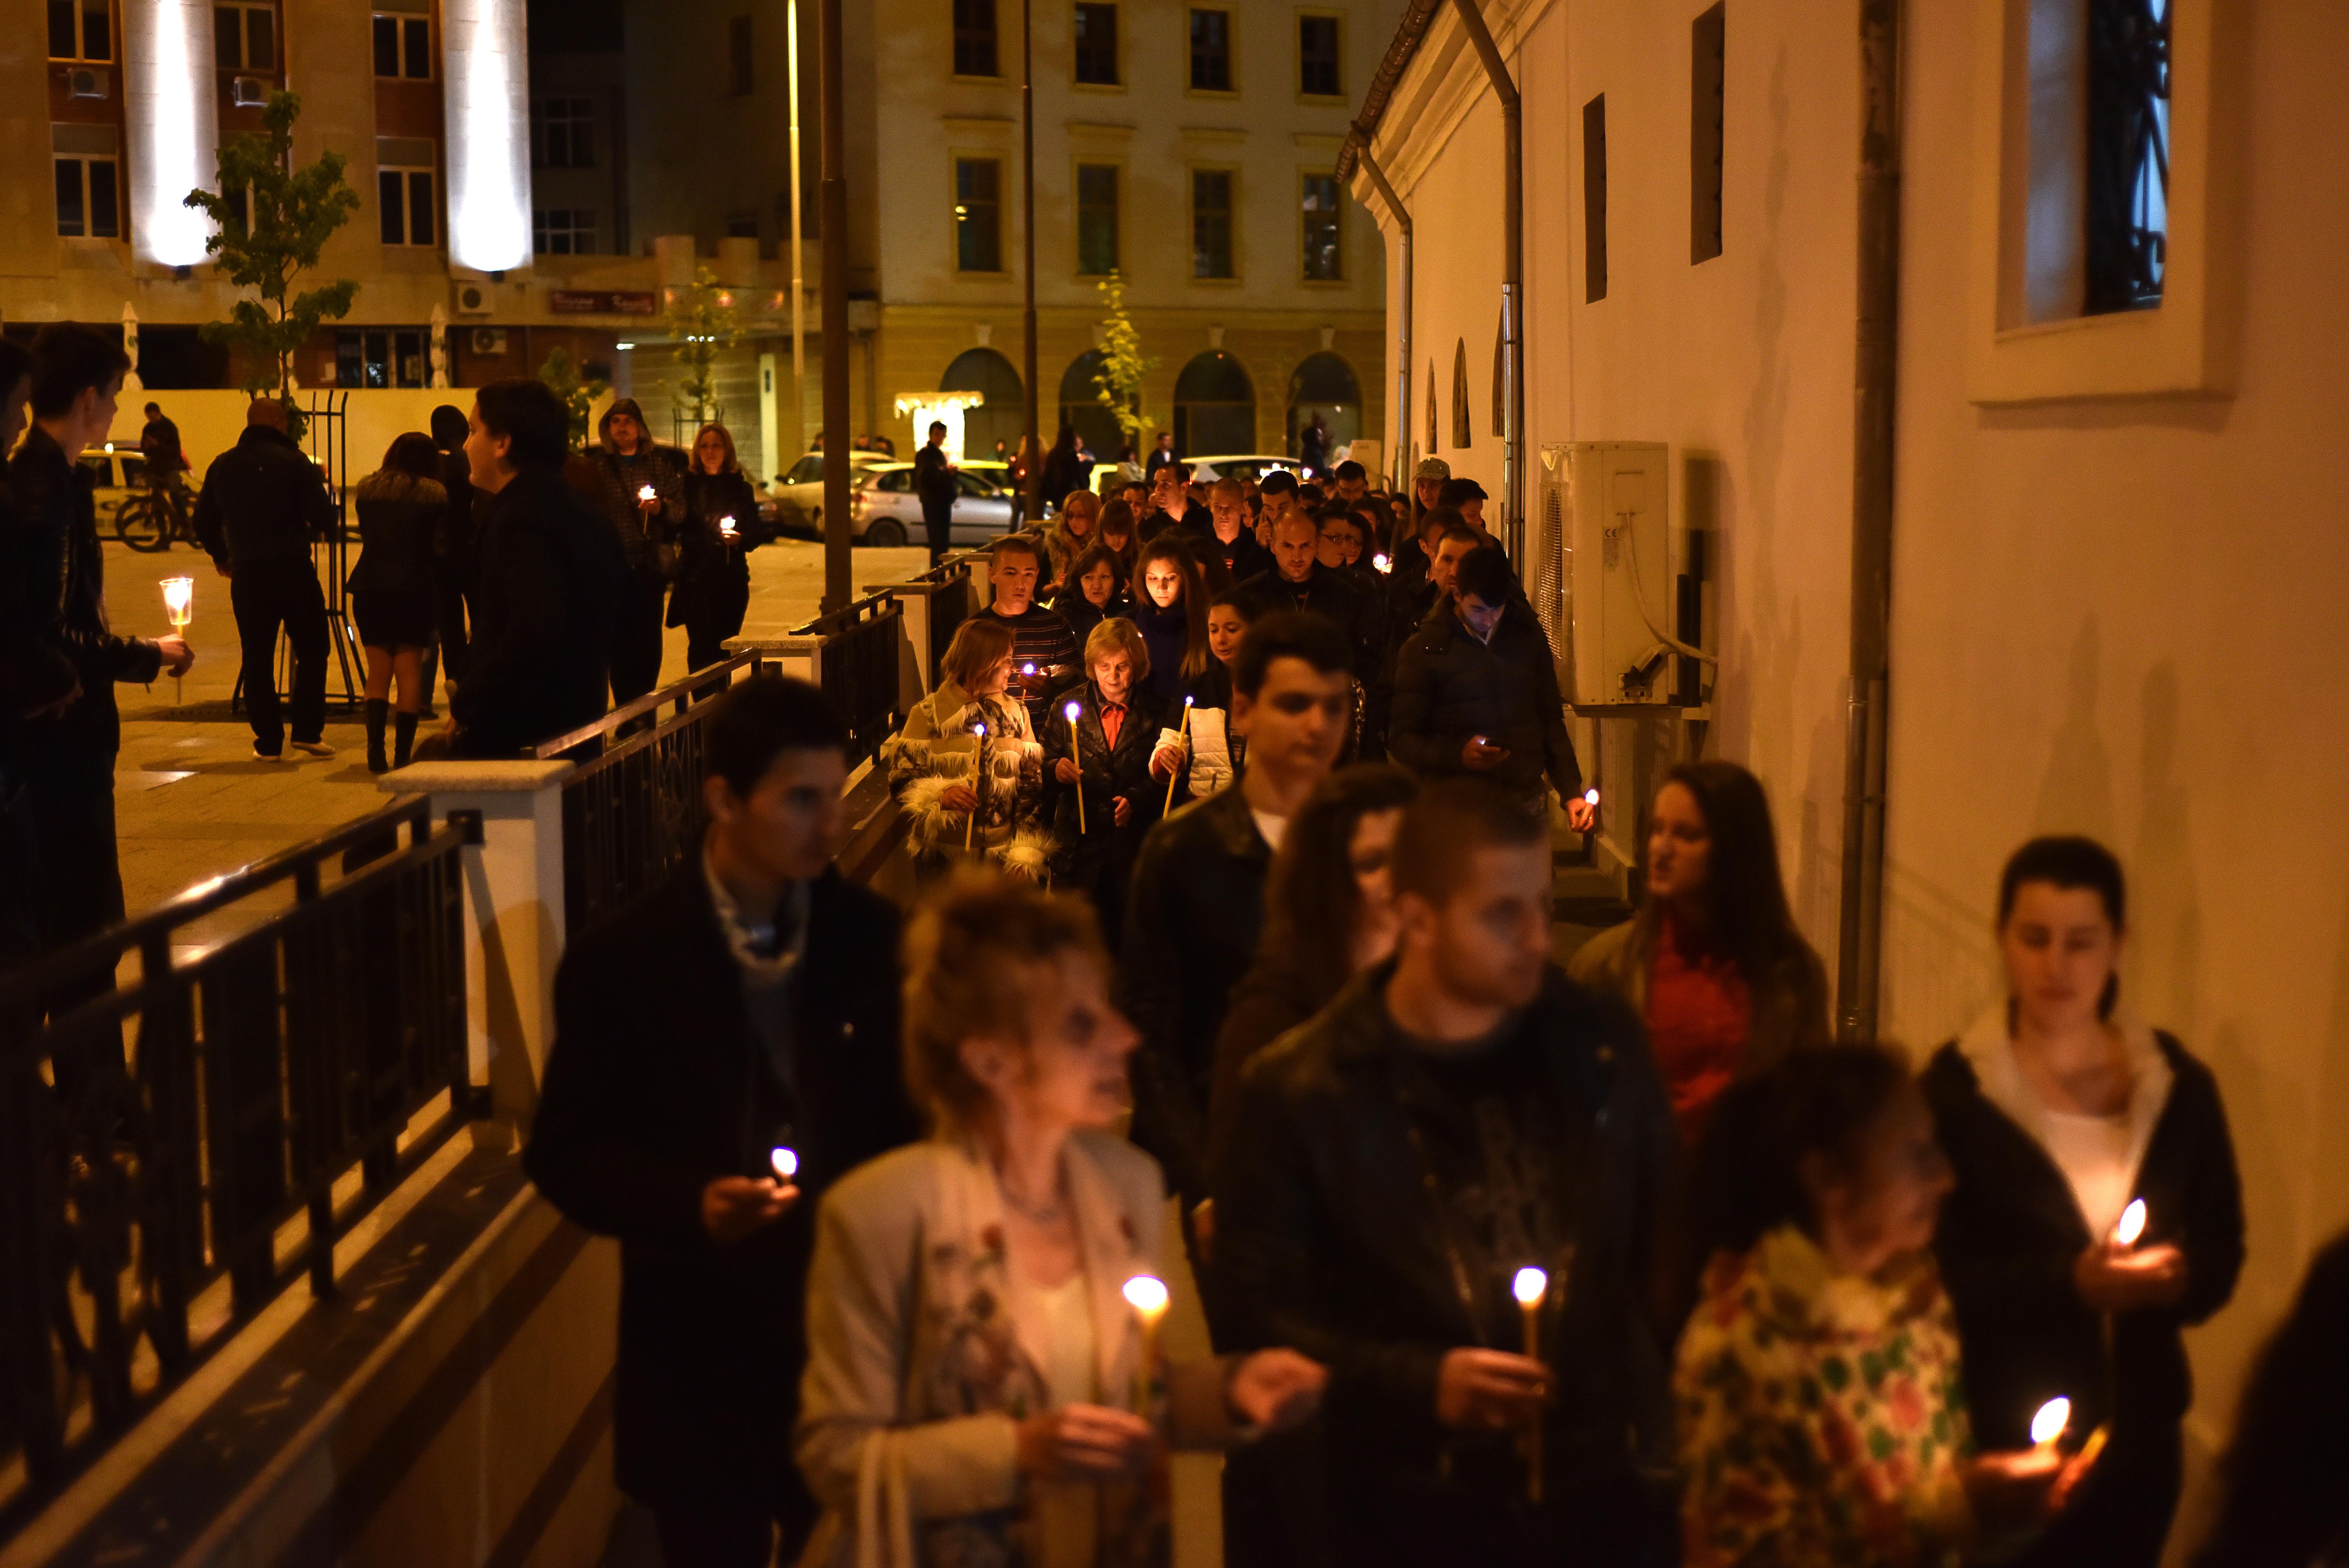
pixel 640 489
pixel 713 563
pixel 392 587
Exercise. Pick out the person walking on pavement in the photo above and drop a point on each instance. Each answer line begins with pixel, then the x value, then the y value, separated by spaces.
pixel 641 487
pixel 264 506
pixel 713 566
pixel 936 482
pixel 392 588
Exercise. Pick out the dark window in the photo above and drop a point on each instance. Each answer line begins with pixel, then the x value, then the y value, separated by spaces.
pixel 1708 58
pixel 563 231
pixel 1594 198
pixel 260 38
pixel 1211 221
pixel 103 223
pixel 1097 45
pixel 383 357
pixel 979 216
pixel 1317 58
pixel 420 214
pixel 1211 51
pixel 1324 260
pixel 72 219
pixel 1096 217
pixel 87 203
pixel 738 54
pixel 562 133
pixel 391 206
pixel 2129 153
pixel 403 47
pixel 228 37
pixel 244 37
pixel 63 44
pixel 407 211
pixel 81 30
pixel 386 46
pixel 974 37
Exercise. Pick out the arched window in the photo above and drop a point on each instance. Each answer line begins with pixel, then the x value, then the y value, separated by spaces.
pixel 1461 436
pixel 1081 406
pixel 1215 407
pixel 1003 416
pixel 1324 384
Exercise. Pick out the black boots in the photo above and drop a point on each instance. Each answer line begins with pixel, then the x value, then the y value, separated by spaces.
pixel 404 738
pixel 378 709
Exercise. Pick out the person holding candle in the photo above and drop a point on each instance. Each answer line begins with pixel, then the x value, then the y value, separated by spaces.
pixel 1107 763
pixel 1213 750
pixel 713 563
pixel 2058 1106
pixel 640 487
pixel 1456 1114
pixel 1045 650
pixel 974 1352
pixel 749 1003
pixel 966 768
pixel 392 586
pixel 1171 609
pixel 1823 1418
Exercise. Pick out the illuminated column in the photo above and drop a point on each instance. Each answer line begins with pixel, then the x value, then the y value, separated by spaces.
pixel 486 87
pixel 167 99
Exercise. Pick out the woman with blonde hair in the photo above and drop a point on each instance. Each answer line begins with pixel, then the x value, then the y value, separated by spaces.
pixel 713 567
pixel 1068 535
pixel 984 1381
pixel 966 768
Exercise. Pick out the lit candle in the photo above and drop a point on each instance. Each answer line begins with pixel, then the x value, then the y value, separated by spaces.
pixel 786 1161
pixel 726 528
pixel 1382 562
pixel 2049 1423
pixel 1590 796
pixel 1146 1294
pixel 2132 1223
pixel 646 492
pixel 179 604
pixel 1182 733
pixel 1077 760
pixel 970 823
pixel 1530 1286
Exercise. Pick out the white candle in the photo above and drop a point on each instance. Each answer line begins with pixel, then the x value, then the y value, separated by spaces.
pixel 971 822
pixel 1530 1286
pixel 1146 1294
pixel 179 600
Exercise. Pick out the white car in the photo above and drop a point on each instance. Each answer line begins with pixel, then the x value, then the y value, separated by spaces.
pixel 885 512
pixel 798 496
pixel 1241 466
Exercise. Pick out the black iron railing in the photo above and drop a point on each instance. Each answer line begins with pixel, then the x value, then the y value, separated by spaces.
pixel 149 1198
pixel 857 667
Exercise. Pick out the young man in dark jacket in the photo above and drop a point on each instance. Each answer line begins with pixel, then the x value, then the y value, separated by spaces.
pixel 1475 693
pixel 1458 1115
pixel 749 1005
pixel 1297 580
pixel 934 482
pixel 263 505
pixel 550 580
pixel 68 758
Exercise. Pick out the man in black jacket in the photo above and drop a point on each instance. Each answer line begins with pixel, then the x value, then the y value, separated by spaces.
pixel 68 759
pixel 1171 505
pixel 749 1006
pixel 1457 1114
pixel 1229 537
pixel 550 579
pixel 453 550
pixel 1197 906
pixel 1475 691
pixel 263 505
pixel 935 483
pixel 1298 581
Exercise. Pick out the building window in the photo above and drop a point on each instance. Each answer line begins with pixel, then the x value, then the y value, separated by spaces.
pixel 979 216
pixel 404 196
pixel 1211 51
pixel 1324 257
pixel 974 37
pixel 1594 200
pixel 403 47
pixel 738 55
pixel 383 357
pixel 563 231
pixel 240 208
pixel 89 203
pixel 1318 69
pixel 1096 218
pixel 1211 221
pixel 244 37
pixel 2128 154
pixel 1708 121
pixel 562 133
pixel 81 30
pixel 1097 45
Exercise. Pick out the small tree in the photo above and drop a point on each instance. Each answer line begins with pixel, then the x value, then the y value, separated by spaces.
pixel 270 223
pixel 1118 382
pixel 703 319
pixel 578 395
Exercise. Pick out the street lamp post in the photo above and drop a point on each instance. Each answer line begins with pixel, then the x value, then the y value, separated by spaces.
pixel 1031 487
pixel 834 221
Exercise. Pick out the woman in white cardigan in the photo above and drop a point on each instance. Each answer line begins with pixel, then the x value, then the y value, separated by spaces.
pixel 975 1393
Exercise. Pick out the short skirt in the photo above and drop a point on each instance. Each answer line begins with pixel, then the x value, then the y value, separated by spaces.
pixel 393 618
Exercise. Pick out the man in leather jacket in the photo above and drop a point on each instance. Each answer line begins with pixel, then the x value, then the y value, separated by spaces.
pixel 1457 1114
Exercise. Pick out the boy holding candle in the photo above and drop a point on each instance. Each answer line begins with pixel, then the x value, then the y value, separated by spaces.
pixel 1108 766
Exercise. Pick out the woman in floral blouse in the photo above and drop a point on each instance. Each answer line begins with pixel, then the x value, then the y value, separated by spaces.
pixel 1823 1418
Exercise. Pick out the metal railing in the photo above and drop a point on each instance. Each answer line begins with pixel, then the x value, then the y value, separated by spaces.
pixel 149 1200
pixel 857 667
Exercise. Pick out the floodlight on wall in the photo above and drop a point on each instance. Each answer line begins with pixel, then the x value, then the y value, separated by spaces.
pixel 486 74
pixel 173 120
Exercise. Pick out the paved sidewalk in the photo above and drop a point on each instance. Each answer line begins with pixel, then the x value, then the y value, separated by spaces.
pixel 192 802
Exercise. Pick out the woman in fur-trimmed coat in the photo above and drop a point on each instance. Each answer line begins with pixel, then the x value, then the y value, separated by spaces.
pixel 935 764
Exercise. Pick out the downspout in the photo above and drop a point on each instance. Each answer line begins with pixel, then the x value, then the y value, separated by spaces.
pixel 1403 370
pixel 1513 273
pixel 1860 945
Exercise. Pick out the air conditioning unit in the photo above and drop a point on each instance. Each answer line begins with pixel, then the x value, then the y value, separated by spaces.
pixel 247 92
pixel 88 82
pixel 472 299
pixel 489 340
pixel 1604 533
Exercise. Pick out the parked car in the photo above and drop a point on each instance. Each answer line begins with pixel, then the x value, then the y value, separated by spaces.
pixel 1240 466
pixel 119 473
pixel 799 494
pixel 884 510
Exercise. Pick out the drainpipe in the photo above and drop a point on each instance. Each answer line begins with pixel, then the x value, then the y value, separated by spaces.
pixel 1859 948
pixel 833 235
pixel 1403 370
pixel 1513 273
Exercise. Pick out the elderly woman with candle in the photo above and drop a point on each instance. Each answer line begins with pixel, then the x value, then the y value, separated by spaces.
pixel 1107 758
pixel 966 768
pixel 2060 1109
pixel 979 1387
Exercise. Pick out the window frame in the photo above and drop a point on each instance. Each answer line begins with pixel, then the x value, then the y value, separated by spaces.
pixel 1236 228
pixel 401 21
pixel 1337 222
pixel 1078 164
pixel 82 11
pixel 419 338
pixel 955 159
pixel 245 11
pixel 407 173
pixel 1117 48
pixel 1231 90
pixel 542 226
pixel 578 115
pixel 83 163
pixel 994 41
pixel 1338 21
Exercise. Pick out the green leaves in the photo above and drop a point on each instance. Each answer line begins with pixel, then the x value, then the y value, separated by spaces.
pixel 579 395
pixel 1118 382
pixel 704 320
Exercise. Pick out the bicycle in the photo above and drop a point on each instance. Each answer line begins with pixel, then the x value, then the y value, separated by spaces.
pixel 155 519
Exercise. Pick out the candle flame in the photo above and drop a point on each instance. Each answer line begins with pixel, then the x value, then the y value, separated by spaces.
pixel 1028 669
pixel 1590 796
pixel 1072 710
pixel 2053 1418
pixel 979 730
pixel 2132 1223
pixel 1146 1294
pixel 786 1162
pixel 1530 1285
pixel 1187 701
pixel 179 593
pixel 1380 562
pixel 646 493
